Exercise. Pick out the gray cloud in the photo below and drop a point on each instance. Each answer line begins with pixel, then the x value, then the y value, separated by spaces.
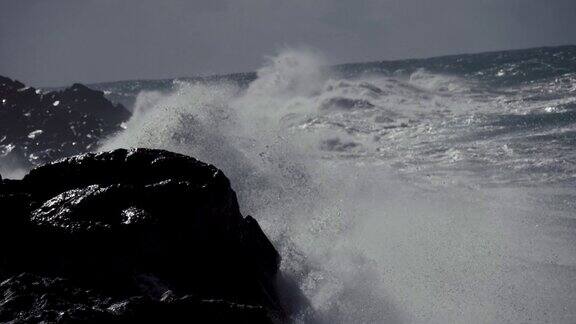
pixel 61 41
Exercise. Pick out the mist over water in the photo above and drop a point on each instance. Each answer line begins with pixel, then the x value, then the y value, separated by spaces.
pixel 384 195
pixel 10 166
pixel 13 172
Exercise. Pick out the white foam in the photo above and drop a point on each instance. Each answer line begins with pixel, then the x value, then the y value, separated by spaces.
pixel 363 243
pixel 34 134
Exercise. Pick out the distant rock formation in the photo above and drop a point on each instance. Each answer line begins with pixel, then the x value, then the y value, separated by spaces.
pixel 132 236
pixel 37 127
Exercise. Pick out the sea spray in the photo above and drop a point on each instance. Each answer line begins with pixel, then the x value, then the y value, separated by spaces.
pixel 349 178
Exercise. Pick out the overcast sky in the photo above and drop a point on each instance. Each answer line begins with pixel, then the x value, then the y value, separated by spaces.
pixel 57 42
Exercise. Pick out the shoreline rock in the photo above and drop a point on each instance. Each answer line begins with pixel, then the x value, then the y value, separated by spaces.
pixel 139 234
pixel 37 127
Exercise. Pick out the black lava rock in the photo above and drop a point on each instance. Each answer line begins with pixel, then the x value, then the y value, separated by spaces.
pixel 38 127
pixel 136 234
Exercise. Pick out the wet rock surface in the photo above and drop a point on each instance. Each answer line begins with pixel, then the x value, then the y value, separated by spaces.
pixel 132 235
pixel 38 127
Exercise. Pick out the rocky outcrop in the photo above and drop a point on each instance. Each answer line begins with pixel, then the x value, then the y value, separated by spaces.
pixel 28 298
pixel 132 235
pixel 38 127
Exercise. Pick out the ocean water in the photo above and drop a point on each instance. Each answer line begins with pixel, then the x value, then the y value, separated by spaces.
pixel 419 191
